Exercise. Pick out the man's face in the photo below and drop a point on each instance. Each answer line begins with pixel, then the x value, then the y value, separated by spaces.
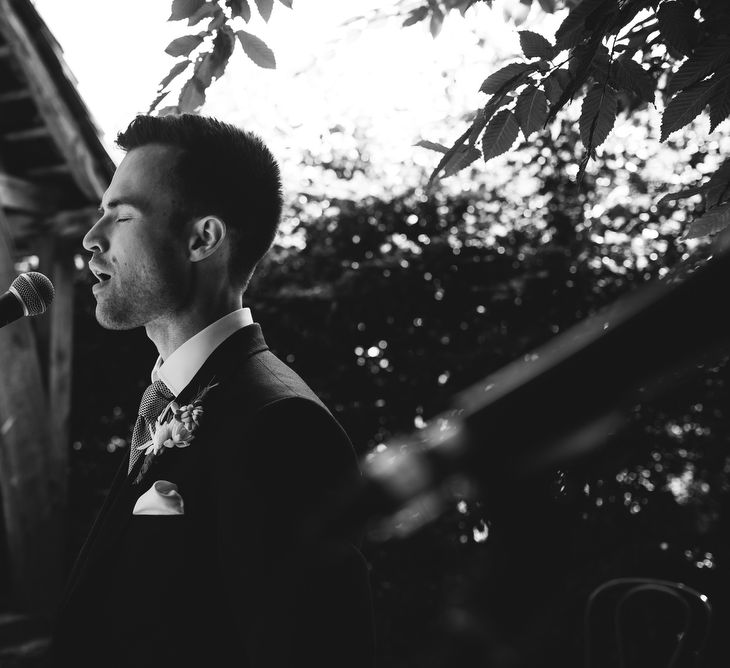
pixel 139 250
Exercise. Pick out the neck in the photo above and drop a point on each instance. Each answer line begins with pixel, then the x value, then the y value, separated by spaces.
pixel 168 334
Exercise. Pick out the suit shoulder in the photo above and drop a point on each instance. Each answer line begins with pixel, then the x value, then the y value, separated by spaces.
pixel 263 379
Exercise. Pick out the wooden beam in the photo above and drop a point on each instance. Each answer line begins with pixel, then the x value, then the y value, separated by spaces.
pixel 72 225
pixel 40 132
pixel 53 109
pixel 33 503
pixel 26 229
pixel 15 95
pixel 22 195
pixel 48 170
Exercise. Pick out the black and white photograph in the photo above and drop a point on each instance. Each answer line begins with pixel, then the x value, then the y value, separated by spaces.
pixel 364 333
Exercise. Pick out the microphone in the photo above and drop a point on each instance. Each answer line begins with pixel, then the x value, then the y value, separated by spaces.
pixel 31 293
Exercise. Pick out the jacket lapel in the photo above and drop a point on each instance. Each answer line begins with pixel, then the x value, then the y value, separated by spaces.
pixel 117 509
pixel 96 535
pixel 221 363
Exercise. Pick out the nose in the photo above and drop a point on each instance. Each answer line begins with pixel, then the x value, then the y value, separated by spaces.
pixel 95 239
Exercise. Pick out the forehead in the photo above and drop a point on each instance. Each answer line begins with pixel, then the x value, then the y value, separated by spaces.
pixel 144 176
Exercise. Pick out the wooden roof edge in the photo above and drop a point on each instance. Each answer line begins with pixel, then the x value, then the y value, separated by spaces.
pixel 54 89
pixel 68 227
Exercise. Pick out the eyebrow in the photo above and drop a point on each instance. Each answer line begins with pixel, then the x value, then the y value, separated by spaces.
pixel 135 202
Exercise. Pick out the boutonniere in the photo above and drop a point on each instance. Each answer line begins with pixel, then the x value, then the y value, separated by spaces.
pixel 174 428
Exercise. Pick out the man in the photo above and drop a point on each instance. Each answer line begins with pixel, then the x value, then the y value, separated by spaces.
pixel 202 554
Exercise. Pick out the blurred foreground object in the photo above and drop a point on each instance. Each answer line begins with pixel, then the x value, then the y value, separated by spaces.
pixel 551 408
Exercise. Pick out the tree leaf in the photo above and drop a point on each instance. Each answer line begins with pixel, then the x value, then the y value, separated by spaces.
pixel 416 15
pixel 597 116
pixel 547 6
pixel 256 50
pixel 678 26
pixel 719 104
pixel 682 194
pixel 480 121
pixel 207 10
pixel 706 58
pixel 265 7
pixel 582 165
pixel 578 75
pixel 564 77
pixel 505 76
pixel 571 30
pixel 464 157
pixel 157 101
pixel 499 134
pixel 219 20
pixel 204 67
pixel 432 145
pixel 531 110
pixel 630 75
pixel 447 156
pixel 212 65
pixel 436 22
pixel 240 8
pixel 182 9
pixel 192 96
pixel 535 45
pixel 716 188
pixel 554 84
pixel 465 4
pixel 627 12
pixel 684 107
pixel 601 63
pixel 167 111
pixel 182 46
pixel 177 68
pixel 711 222
pixel 552 89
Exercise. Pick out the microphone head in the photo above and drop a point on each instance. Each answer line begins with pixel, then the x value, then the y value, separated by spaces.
pixel 35 291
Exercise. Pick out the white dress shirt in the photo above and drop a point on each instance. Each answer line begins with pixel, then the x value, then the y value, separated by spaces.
pixel 181 366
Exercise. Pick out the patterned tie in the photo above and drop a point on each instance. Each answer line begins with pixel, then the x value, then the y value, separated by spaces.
pixel 154 400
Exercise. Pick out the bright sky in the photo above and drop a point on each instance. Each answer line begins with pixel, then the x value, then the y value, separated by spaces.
pixel 396 85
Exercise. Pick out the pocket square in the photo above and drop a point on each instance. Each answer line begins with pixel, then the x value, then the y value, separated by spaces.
pixel 160 499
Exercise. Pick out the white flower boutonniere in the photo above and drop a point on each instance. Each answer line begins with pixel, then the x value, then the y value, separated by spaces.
pixel 174 428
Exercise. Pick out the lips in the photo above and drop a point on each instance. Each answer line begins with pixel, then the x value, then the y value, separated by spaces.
pixel 101 276
pixel 99 273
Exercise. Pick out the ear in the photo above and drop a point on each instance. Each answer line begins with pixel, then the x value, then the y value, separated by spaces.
pixel 206 236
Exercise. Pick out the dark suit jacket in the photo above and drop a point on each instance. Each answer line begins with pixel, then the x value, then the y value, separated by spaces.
pixel 237 580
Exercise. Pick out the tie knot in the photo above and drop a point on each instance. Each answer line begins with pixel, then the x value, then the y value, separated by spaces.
pixel 154 400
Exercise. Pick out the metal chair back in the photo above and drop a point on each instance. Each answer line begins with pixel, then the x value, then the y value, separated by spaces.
pixel 646 623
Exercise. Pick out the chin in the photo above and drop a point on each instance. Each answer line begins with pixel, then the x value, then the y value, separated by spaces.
pixel 112 321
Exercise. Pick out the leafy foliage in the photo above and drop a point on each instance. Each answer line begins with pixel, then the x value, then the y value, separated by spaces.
pixel 214 46
pixel 616 55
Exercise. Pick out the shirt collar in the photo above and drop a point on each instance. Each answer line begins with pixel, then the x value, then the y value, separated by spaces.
pixel 181 366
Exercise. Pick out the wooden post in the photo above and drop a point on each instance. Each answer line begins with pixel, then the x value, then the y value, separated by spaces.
pixel 32 496
pixel 60 359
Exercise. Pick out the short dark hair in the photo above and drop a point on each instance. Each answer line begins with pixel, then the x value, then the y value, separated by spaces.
pixel 222 170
